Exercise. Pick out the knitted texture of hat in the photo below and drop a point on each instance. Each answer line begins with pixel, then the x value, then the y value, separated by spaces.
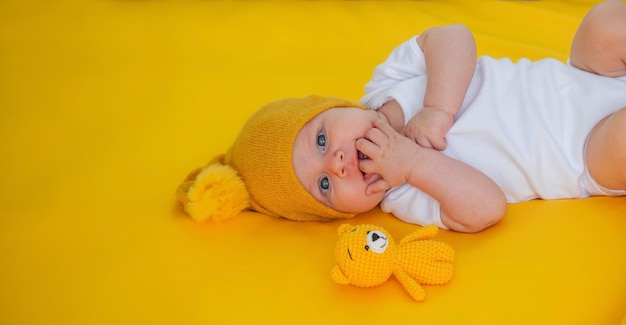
pixel 262 156
pixel 366 256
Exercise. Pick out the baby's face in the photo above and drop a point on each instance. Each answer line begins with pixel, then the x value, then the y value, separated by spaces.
pixel 326 161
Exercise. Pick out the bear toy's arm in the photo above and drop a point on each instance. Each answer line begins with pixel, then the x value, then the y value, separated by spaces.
pixel 411 286
pixel 426 232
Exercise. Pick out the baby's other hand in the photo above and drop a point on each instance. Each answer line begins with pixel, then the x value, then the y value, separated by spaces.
pixel 390 154
pixel 429 127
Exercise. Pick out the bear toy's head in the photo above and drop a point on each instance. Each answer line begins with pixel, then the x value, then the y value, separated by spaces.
pixel 364 255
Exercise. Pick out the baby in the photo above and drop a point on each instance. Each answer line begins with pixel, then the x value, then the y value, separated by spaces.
pixel 447 139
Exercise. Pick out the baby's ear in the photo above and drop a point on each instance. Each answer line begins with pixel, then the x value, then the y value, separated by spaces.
pixel 344 228
pixel 338 276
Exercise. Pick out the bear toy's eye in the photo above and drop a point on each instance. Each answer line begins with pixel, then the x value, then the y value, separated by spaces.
pixel 367 248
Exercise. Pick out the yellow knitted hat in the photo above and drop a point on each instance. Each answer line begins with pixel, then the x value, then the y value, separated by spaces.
pixel 257 171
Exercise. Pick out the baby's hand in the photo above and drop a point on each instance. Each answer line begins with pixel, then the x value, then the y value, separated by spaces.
pixel 429 127
pixel 390 154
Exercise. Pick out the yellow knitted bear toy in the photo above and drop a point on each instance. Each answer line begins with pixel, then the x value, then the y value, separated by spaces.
pixel 366 256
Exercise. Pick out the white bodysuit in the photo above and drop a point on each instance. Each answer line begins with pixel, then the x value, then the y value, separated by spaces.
pixel 525 125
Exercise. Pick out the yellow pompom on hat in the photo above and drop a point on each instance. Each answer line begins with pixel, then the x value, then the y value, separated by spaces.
pixel 257 171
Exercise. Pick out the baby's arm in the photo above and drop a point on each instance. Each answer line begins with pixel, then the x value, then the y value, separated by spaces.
pixel 599 45
pixel 470 201
pixel 450 58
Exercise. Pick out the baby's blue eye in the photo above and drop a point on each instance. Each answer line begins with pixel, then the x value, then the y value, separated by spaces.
pixel 324 184
pixel 321 141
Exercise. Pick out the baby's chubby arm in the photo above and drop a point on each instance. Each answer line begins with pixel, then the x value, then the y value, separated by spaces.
pixel 450 59
pixel 470 201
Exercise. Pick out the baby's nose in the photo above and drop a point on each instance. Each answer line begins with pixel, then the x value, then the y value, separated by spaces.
pixel 338 163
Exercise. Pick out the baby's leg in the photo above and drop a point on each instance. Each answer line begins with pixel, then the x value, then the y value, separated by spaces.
pixel 599 45
pixel 606 152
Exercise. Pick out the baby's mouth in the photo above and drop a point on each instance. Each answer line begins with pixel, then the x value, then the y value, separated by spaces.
pixel 361 156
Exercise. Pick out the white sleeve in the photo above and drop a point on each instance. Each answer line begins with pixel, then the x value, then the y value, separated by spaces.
pixel 412 205
pixel 401 77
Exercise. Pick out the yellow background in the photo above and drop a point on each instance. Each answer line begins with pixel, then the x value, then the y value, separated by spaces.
pixel 105 106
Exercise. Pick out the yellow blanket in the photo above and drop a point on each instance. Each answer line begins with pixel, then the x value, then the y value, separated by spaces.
pixel 105 106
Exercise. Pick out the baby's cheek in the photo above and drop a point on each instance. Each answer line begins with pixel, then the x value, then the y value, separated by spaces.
pixel 344 196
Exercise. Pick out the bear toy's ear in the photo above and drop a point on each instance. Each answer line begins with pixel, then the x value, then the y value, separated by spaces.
pixel 344 228
pixel 338 276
